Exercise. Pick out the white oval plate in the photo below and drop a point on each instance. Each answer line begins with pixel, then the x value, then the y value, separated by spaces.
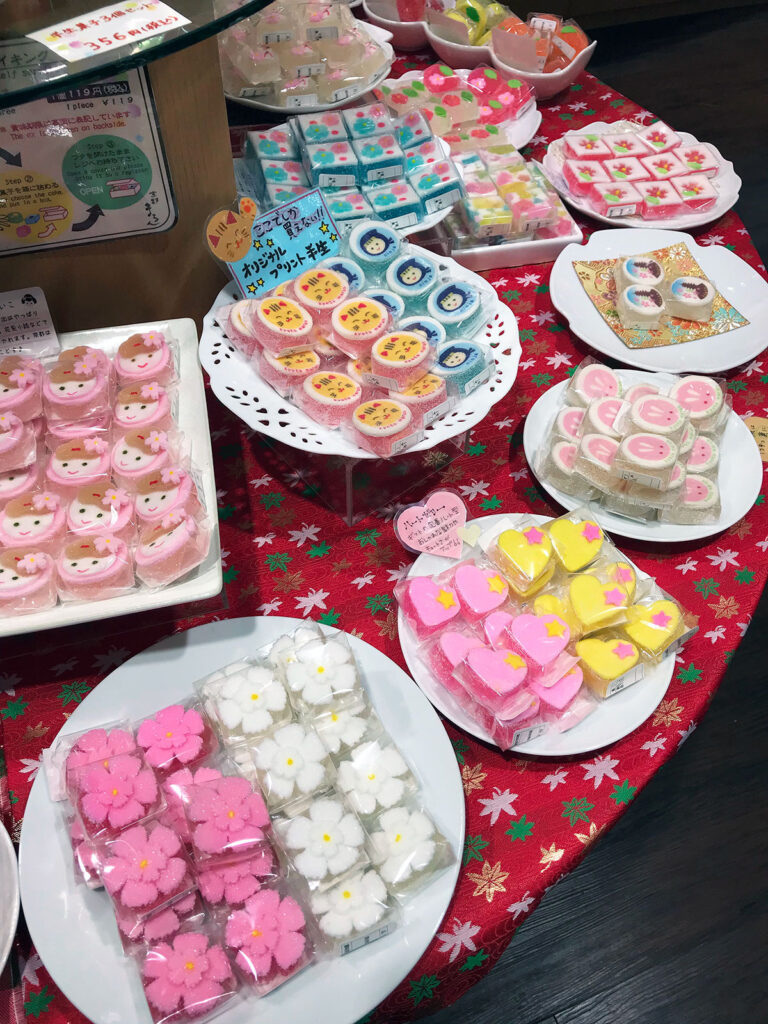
pixel 613 719
pixel 736 281
pixel 73 927
pixel 739 480
pixel 238 386
pixel 379 35
pixel 727 183
pixel 9 895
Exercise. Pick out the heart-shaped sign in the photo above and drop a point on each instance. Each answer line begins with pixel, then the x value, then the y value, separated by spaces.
pixel 433 525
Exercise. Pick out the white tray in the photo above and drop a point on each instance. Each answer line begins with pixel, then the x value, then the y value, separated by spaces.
pixel 9 895
pixel 379 35
pixel 237 384
pixel 740 477
pixel 73 927
pixel 613 719
pixel 516 254
pixel 734 279
pixel 727 183
pixel 192 419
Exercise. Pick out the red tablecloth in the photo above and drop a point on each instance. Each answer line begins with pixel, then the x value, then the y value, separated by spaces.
pixel 528 822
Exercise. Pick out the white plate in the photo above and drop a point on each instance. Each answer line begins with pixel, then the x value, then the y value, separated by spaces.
pixel 736 281
pixel 613 719
pixel 727 183
pixel 73 927
pixel 379 35
pixel 192 419
pixel 9 895
pixel 740 478
pixel 237 384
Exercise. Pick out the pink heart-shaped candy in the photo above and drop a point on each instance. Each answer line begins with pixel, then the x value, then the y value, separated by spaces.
pixel 494 626
pixel 479 590
pixel 540 637
pixel 455 646
pixel 495 676
pixel 430 605
pixel 560 694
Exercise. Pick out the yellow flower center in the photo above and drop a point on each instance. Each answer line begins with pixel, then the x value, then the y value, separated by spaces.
pixel 254 696
pixel 398 837
pixel 334 717
pixel 255 933
pixel 106 763
pixel 143 863
pixel 346 894
pixel 114 792
pixel 230 814
pixel 326 837
pixel 372 776
pixel 320 670
pixel 169 734
pixel 289 760
pixel 189 965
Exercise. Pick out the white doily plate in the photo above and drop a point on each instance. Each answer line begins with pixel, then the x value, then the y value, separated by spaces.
pixel 238 386
pixel 727 183
pixel 611 721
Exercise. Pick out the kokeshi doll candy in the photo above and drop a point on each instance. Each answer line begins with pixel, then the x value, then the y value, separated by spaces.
pixel 171 548
pixel 36 519
pixel 137 453
pixel 75 391
pixel 84 460
pixel 145 357
pixel 27 580
pixel 142 405
pixel 94 569
pixel 21 383
pixel 102 509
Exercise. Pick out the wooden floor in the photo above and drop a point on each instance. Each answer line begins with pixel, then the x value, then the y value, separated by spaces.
pixel 666 920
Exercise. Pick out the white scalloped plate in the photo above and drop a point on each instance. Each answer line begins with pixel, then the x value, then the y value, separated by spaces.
pixel 612 720
pixel 742 286
pixel 9 895
pixel 739 480
pixel 727 183
pixel 238 386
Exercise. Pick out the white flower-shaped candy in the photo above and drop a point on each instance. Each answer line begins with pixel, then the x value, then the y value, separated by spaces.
pixel 292 759
pixel 404 844
pixel 373 776
pixel 327 840
pixel 283 650
pixel 354 905
pixel 249 699
pixel 322 668
pixel 341 728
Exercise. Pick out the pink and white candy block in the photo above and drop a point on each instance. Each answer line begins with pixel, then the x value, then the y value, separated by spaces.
pixel 698 158
pixel 586 147
pixel 27 581
pixel 114 794
pixel 84 460
pixel 462 106
pixel 102 509
pixel 94 569
pixel 663 166
pixel 18 442
pixel 659 137
pixel 615 200
pixel 21 386
pixel 696 191
pixel 15 482
pixel 170 490
pixel 580 175
pixel 36 520
pixel 504 730
pixel 660 200
pixel 627 144
pixel 171 548
pixel 626 169
pixel 439 78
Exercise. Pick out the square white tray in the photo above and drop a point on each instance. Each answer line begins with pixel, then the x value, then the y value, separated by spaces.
pixel 192 418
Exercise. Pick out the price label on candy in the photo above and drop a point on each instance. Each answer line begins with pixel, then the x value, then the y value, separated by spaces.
pixel 263 252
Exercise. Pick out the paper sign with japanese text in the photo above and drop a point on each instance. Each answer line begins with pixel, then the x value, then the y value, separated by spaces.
pixel 26 327
pixel 109 28
pixel 263 252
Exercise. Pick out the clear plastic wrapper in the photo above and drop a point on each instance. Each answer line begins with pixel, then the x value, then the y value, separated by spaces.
pixel 145 405
pixel 657 414
pixel 374 776
pixel 287 372
pixel 577 540
pixel 94 357
pixel 480 589
pixel 323 674
pixel 658 624
pixel 464 365
pixel 525 555
pixel 175 790
pixel 399 359
pixel 85 855
pixel 281 324
pixel 393 302
pixel 76 390
pixel 111 795
pixel 357 323
pixel 594 459
pixel 283 651
pixel 556 464
pixel 353 913
pixel 227 818
pixel 15 482
pixel 704 399
pixel 324 843
pixel 592 380
pixel 542 641
pixel 247 701
pixel 148 357
pixel 36 520
pixel 177 736
pixel 699 502
pixel 597 601
pixel 187 978
pixel 407 849
pixel 556 695
pixel 557 604
pixel 83 460
pixel 647 459
pixel 427 400
pixel 267 938
pixel 61 431
pixel 231 884
pixel 292 765
pixel 610 663
pixel 328 397
pixel 140 452
pixel 373 245
pixel 703 458
pixel 94 568
pixel 144 869
pixel 18 442
pixel 170 549
pixel 428 604
pixel 102 510
pixel 459 306
pixel 493 678
pixel 186 913
pixel 383 426
pixel 21 381
pixel 343 729
pixel 446 651
pixel 172 489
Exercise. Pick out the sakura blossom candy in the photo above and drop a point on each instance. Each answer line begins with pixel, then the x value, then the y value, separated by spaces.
pixel 247 703
pixel 94 568
pixel 176 737
pixel 94 745
pixel 75 391
pixel 354 912
pixel 85 856
pixel 137 453
pixel 15 482
pixel 227 819
pixel 144 868
pixel 292 764
pixel 172 489
pixel 343 728
pixel 374 776
pixel 232 884
pixel 407 849
pixel 94 357
pixel 109 796
pixel 627 144
pixel 325 842
pixel 660 200
pixel 175 789
pixel 21 381
pixel 170 549
pixel 187 978
pixel 323 674
pixel 184 913
pixel 145 357
pixel 663 166
pixel 267 938
pixel 35 519
pixel 100 509
pixel 27 580
pixel 18 442
pixel 84 460
pixel 142 405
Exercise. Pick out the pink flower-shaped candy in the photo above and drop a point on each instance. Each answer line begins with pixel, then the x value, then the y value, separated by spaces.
pixel 158 441
pixel 153 339
pixel 33 562
pixel 162 923
pixel 24 377
pixel 84 367
pixel 173 737
pixel 234 883
pixel 46 500
pixel 8 421
pixel 227 816
pixel 267 929
pixel 103 544
pixel 100 745
pixel 174 787
pixel 115 497
pixel 172 475
pixel 152 390
pixel 117 794
pixel 144 866
pixel 95 444
pixel 188 974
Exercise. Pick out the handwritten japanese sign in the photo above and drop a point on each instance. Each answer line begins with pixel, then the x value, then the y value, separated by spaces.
pixel 109 28
pixel 262 252
pixel 433 525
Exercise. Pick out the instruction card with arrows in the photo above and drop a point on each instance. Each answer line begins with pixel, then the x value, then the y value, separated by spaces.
pixel 83 165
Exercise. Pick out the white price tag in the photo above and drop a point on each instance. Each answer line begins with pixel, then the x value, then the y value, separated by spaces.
pixel 322 32
pixel 364 940
pixel 438 411
pixel 251 91
pixel 297 102
pixel 526 735
pixel 377 381
pixel 442 202
pixel 475 383
pixel 335 180
pixel 623 681
pixel 308 70
pixel 407 442
pixel 345 93
pixel 623 211
pixel 407 220
pixel 382 173
pixel 654 482
pixel 282 36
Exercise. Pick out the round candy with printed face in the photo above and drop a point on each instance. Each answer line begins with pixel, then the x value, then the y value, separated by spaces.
pixel 64 385
pixel 91 561
pixel 643 270
pixel 282 323
pixel 99 508
pixel 144 357
pixel 142 405
pixel 16 481
pixel 171 489
pixel 702 397
pixel 595 381
pixel 394 304
pixel 82 460
pixel 704 456
pixel 26 580
pixel 604 415
pixel 347 268
pixel 399 350
pixel 381 417
pixel 432 330
pixel 33 518
pixel 459 361
pixel 294 366
pixel 20 386
pixel 411 276
pixel 333 390
pixel 699 492
pixel 453 303
pixel 359 320
pixel 658 414
pixel 374 242
pixel 563 456
pixel 321 290
pixel 139 452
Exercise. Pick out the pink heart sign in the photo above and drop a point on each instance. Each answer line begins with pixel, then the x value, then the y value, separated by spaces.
pixel 433 525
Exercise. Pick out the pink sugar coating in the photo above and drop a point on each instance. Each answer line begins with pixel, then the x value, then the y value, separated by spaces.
pixel 118 794
pixel 235 883
pixel 227 816
pixel 172 737
pixel 144 865
pixel 171 984
pixel 267 930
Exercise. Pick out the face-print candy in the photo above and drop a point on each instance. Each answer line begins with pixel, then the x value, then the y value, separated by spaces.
pixel 82 461
pixel 703 456
pixel 640 307
pixel 594 458
pixel 15 482
pixel 320 291
pixel 699 502
pixel 328 397
pixel 384 426
pixel 658 414
pixel 137 453
pixel 142 405
pixel 18 442
pixel 94 569
pixel 75 391
pixel 580 175
pixel 427 399
pixel 168 550
pixel 357 323
pixel 286 372
pixel 399 359
pixel 21 382
pixel 647 458
pixel 568 423
pixel 102 509
pixel 703 399
pixel 282 324
pixel 605 416
pixel 169 490
pixel 691 298
pixel 145 357
pixel 27 580
pixel 593 380
pixel 36 520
